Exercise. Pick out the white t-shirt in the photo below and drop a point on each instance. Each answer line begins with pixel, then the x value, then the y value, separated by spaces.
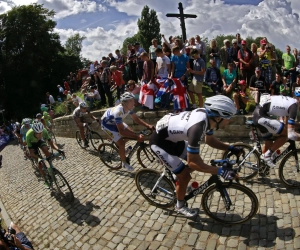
pixel 51 99
pixel 77 99
pixel 97 95
pixel 162 68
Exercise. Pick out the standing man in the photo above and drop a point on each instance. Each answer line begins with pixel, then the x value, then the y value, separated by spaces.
pixel 198 72
pixel 289 64
pixel 51 99
pixel 245 58
pixel 224 53
pixel 105 80
pixel 140 62
pixel 202 48
pixel 179 65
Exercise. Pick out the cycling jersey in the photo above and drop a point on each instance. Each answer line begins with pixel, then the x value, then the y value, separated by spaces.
pixel 179 134
pixel 279 106
pixel 24 130
pixel 114 116
pixel 46 118
pixel 77 113
pixel 32 141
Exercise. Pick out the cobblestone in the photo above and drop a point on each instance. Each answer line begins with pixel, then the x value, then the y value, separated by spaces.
pixel 109 213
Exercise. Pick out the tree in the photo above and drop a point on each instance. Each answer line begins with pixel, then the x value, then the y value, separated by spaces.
pixel 149 27
pixel 129 40
pixel 73 45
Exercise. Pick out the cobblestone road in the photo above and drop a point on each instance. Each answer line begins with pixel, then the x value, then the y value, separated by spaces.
pixel 109 213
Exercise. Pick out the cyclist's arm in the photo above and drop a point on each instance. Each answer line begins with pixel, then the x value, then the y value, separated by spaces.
pixel 32 154
pixel 215 143
pixel 137 120
pixel 53 145
pixel 195 162
pixel 126 132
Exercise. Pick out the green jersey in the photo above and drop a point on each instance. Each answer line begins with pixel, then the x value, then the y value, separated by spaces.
pixel 46 118
pixel 31 139
pixel 289 60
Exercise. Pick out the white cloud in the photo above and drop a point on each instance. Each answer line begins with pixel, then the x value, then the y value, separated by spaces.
pixel 83 21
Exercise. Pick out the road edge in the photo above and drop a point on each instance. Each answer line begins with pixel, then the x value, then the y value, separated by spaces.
pixel 5 215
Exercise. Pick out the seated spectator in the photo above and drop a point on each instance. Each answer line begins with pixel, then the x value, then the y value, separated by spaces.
pixel 76 100
pixel 284 88
pixel 257 85
pixel 229 80
pixel 116 76
pixel 20 241
pixel 241 98
pixel 275 86
pixel 133 88
pixel 213 78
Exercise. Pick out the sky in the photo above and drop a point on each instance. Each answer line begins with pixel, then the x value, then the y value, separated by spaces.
pixel 106 23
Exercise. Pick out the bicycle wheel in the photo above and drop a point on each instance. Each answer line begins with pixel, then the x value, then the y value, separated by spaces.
pixel 159 192
pixel 62 186
pixel 145 156
pixel 288 172
pixel 251 165
pixel 240 205
pixel 79 140
pixel 109 155
pixel 95 139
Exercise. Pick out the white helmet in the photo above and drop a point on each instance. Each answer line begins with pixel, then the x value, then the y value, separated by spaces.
pixel 126 96
pixel 26 121
pixel 82 105
pixel 38 127
pixel 221 106
pixel 17 124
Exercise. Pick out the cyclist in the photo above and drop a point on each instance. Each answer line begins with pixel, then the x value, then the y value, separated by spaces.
pixel 115 128
pixel 275 106
pixel 24 129
pixel 35 138
pixel 39 117
pixel 48 120
pixel 179 135
pixel 18 133
pixel 78 116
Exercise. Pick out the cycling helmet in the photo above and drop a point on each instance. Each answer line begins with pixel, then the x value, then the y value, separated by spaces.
pixel 220 106
pixel 126 96
pixel 17 124
pixel 82 105
pixel 38 127
pixel 26 121
pixel 38 115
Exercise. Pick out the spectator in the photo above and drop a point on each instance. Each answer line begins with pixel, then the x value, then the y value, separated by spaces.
pixel 179 43
pixel 239 40
pixel 284 88
pixel 179 65
pixel 255 58
pixel 116 76
pixel 92 97
pixel 129 50
pixel 67 102
pixel 73 82
pixel 245 58
pixel 51 100
pixel 233 55
pixel 257 85
pixel 275 87
pixel 229 80
pixel 214 52
pixel 241 98
pixel 166 50
pixel 66 85
pixel 202 48
pixel 192 45
pixel 152 49
pixel 60 90
pixel 76 100
pixel 78 79
pixel 224 53
pixel 148 68
pixel 288 63
pixel 213 78
pixel 119 59
pixel 133 88
pixel 112 60
pixel 140 63
pixel 198 71
pixel 20 241
pixel 132 64
pixel 265 60
pixel 105 80
pixel 274 60
pixel 163 64
pixel 92 69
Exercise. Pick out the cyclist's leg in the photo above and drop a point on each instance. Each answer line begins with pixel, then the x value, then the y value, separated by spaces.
pixel 79 124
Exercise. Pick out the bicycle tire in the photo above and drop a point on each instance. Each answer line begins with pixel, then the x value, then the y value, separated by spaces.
pixel 164 197
pixel 62 186
pixel 145 156
pixel 244 202
pixel 287 170
pixel 246 173
pixel 109 155
pixel 95 139
pixel 79 140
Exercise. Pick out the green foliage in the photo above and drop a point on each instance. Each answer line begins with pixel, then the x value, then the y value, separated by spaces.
pixel 149 27
pixel 129 40
pixel 74 44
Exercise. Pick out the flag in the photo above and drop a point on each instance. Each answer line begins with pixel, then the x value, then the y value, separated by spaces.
pixel 179 95
pixel 147 94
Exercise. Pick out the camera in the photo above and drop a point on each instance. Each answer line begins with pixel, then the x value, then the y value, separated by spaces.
pixel 6 235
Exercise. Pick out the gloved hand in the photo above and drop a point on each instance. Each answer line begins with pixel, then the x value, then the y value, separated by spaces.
pixel 226 173
pixel 61 152
pixel 235 150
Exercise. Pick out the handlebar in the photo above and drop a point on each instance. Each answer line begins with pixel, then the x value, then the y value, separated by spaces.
pixel 146 132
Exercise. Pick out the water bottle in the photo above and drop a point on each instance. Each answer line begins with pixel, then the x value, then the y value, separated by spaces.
pixel 275 154
pixel 128 150
pixel 192 187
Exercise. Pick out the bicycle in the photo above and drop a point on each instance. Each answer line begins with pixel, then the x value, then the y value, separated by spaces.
pixel 226 202
pixel 251 164
pixel 89 135
pixel 109 153
pixel 57 182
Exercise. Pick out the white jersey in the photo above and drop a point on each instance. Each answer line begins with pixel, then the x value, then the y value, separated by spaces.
pixel 114 116
pixel 77 113
pixel 280 105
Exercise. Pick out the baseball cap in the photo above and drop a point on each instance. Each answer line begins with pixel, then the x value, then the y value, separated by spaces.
pixel 243 42
pixel 242 82
pixel 257 69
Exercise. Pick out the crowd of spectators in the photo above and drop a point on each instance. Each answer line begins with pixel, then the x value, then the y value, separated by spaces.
pixel 238 70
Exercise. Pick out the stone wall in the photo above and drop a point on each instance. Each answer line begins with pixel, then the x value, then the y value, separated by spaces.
pixel 66 127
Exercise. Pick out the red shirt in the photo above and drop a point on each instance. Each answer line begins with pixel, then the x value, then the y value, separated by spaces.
pixel 117 77
pixel 246 58
pixel 67 87
pixel 147 70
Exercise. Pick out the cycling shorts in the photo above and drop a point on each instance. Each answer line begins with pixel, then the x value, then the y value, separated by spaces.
pixel 112 131
pixel 170 153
